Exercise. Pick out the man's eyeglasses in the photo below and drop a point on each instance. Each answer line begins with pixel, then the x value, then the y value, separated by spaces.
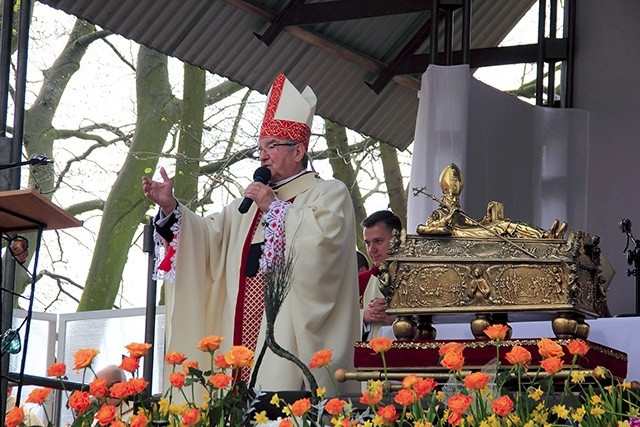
pixel 270 148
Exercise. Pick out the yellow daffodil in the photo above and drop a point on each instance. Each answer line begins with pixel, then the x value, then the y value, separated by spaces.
pixel 577 377
pixel 599 372
pixel 275 400
pixel 561 411
pixel 535 393
pixel 261 417
pixel 597 411
pixel 578 414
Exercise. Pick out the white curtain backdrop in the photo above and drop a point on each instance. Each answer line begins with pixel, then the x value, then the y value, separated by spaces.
pixel 533 159
pixel 440 137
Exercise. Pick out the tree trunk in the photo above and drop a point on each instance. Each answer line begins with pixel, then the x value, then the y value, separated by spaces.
pixel 39 133
pixel 190 142
pixel 340 161
pixel 126 205
pixel 394 181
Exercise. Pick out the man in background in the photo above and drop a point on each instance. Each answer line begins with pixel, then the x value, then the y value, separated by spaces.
pixel 378 228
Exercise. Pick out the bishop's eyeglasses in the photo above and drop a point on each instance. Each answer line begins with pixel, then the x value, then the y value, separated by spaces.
pixel 270 148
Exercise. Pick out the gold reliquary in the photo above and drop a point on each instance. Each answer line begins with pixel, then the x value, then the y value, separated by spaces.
pixel 490 269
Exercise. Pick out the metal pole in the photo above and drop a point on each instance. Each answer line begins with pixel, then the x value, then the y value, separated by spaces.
pixel 27 329
pixel 5 62
pixel 21 88
pixel 6 301
pixel 18 135
pixel 553 25
pixel 540 65
pixel 570 33
pixel 150 313
pixel 433 49
pixel 466 31
pixel 448 37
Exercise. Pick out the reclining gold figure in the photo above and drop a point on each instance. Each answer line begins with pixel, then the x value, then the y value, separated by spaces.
pixel 450 220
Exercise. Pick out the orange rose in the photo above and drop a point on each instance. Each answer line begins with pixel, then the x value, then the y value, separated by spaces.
pixel 454 418
pixel 451 346
pixel 409 381
pixel 57 370
pixel 300 407
pixel 38 395
pixel 496 332
pixel 14 417
pixel 286 422
pixel 190 364
pixel 476 380
pixel 371 397
pixel 380 344
pixel 210 343
pixel 549 348
pixel 117 423
pixel 137 385
pixel 459 403
pixel 83 358
pixel 321 358
pixel 453 361
pixel 239 356
pixel 221 362
pixel 405 397
pixel 79 401
pixel 98 387
pixel 175 358
pixel 130 364
pixel 177 379
pixel 551 365
pixel 138 350
pixel 190 417
pixel 120 390
pixel 502 406
pixel 105 415
pixel 334 406
pixel 388 413
pixel 519 356
pixel 140 420
pixel 578 347
pixel 221 380
pixel 424 386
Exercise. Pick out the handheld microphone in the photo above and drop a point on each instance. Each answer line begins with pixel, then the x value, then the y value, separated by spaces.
pixel 263 175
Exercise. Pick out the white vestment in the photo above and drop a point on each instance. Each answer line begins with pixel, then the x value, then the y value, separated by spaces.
pixel 321 310
pixel 372 291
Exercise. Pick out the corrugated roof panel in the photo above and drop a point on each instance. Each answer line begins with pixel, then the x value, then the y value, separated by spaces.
pixel 218 36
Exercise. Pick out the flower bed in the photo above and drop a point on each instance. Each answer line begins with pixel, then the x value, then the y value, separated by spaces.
pixel 215 395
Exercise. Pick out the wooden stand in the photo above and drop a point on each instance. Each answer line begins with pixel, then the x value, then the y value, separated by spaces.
pixel 25 211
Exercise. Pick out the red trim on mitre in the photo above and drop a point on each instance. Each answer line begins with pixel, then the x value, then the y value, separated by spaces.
pixel 294 131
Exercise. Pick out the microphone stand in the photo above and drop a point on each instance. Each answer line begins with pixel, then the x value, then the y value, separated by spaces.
pixel 633 258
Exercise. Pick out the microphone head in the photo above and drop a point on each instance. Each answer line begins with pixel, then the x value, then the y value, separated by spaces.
pixel 262 174
pixel 625 225
pixel 40 159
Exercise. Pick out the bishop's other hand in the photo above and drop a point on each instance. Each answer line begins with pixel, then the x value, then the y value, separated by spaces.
pixel 160 192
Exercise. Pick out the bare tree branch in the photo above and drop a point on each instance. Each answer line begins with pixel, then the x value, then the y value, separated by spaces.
pixel 119 55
